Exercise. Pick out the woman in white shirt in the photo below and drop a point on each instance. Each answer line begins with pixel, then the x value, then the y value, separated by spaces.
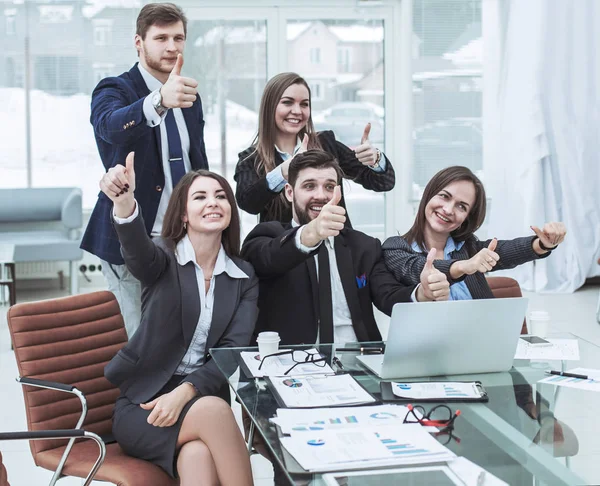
pixel 196 294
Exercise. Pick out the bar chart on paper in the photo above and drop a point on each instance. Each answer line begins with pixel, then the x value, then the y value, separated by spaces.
pixel 400 448
pixel 591 384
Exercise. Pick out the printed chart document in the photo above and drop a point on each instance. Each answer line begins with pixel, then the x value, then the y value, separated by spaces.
pixel 592 383
pixel 318 391
pixel 437 390
pixel 561 349
pixel 278 365
pixel 364 447
pixel 317 419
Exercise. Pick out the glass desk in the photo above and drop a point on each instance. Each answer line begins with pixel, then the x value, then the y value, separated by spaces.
pixel 528 433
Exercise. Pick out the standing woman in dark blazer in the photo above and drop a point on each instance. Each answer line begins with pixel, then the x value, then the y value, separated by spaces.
pixel 285 128
pixel 452 209
pixel 196 294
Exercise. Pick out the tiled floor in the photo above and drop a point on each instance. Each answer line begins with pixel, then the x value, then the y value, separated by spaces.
pixel 573 313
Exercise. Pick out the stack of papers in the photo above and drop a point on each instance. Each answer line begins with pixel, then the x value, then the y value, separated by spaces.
pixel 364 447
pixel 561 349
pixel 591 384
pixel 318 391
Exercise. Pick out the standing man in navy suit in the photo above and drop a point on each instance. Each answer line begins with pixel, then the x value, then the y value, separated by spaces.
pixel 156 112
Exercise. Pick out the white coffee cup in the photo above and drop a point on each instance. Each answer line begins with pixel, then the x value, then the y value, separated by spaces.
pixel 268 343
pixel 539 321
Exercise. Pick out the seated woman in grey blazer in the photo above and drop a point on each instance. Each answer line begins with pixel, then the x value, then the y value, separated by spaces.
pixel 196 294
pixel 451 210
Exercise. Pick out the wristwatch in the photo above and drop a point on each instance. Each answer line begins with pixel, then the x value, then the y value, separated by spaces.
pixel 376 164
pixel 157 103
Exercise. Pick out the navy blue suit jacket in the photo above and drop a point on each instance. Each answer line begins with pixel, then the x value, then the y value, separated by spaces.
pixel 120 127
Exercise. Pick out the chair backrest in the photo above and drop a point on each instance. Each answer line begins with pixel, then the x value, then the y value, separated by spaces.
pixel 67 340
pixel 3 476
pixel 503 287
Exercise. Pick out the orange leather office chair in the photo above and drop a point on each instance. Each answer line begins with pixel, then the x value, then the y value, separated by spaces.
pixel 3 475
pixel 503 287
pixel 61 347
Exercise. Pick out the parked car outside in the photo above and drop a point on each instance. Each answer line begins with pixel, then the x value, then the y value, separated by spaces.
pixel 348 121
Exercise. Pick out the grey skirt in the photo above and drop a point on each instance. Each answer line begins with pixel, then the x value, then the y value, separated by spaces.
pixel 139 439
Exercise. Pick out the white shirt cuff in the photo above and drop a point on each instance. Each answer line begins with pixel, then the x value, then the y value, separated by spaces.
pixel 300 246
pixel 152 118
pixel 130 218
pixel 275 180
pixel 413 296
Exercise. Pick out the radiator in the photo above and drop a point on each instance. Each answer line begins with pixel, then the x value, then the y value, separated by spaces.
pixel 40 270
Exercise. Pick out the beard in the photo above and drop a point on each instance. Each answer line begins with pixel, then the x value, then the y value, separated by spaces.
pixel 155 63
pixel 303 214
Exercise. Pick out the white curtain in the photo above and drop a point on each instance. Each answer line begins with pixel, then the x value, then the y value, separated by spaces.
pixel 543 157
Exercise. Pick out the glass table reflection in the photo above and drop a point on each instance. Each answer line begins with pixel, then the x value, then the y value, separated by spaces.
pixel 528 433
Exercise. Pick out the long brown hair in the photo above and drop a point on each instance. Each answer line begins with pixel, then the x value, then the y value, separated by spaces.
pixel 173 229
pixel 264 142
pixel 476 213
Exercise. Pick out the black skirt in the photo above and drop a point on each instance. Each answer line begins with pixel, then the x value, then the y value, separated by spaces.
pixel 139 439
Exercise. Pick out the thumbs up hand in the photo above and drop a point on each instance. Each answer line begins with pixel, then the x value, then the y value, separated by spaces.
pixel 551 235
pixel 285 166
pixel 119 184
pixel 179 91
pixel 484 261
pixel 365 152
pixel 329 222
pixel 434 284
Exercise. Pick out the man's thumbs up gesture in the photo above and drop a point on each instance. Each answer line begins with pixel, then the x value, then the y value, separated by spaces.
pixel 329 222
pixel 179 91
pixel 365 152
pixel 118 184
pixel 434 284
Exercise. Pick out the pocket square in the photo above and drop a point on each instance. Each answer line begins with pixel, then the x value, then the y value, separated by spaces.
pixel 361 281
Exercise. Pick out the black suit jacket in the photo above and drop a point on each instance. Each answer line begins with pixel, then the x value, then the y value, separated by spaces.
pixel 289 290
pixel 254 196
pixel 407 264
pixel 170 312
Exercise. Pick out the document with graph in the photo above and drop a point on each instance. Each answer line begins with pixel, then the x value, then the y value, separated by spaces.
pixel 364 447
pixel 441 391
pixel 317 419
pixel 318 391
pixel 591 381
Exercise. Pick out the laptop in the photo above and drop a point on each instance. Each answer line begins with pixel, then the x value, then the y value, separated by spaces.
pixel 450 338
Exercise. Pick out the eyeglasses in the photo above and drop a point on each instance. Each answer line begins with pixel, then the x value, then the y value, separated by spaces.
pixel 438 416
pixel 299 357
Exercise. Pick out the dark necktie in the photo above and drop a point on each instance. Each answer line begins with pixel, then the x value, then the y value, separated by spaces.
pixel 175 152
pixel 325 298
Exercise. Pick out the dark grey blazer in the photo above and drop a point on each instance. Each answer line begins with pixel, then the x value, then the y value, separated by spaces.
pixel 170 312
pixel 407 264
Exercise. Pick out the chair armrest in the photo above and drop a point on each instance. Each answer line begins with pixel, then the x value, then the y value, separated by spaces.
pixel 52 385
pixel 63 434
pixel 43 434
pixel 71 213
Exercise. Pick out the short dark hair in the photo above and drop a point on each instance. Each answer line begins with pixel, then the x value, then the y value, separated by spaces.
pixel 173 229
pixel 159 14
pixel 312 159
pixel 442 179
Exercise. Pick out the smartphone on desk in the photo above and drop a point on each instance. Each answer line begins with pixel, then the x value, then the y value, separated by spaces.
pixel 536 341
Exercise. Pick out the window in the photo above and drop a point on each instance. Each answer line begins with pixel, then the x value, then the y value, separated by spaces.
pixel 316 91
pixel 345 96
pixel 102 32
pixel 343 59
pixel 447 87
pixel 315 55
